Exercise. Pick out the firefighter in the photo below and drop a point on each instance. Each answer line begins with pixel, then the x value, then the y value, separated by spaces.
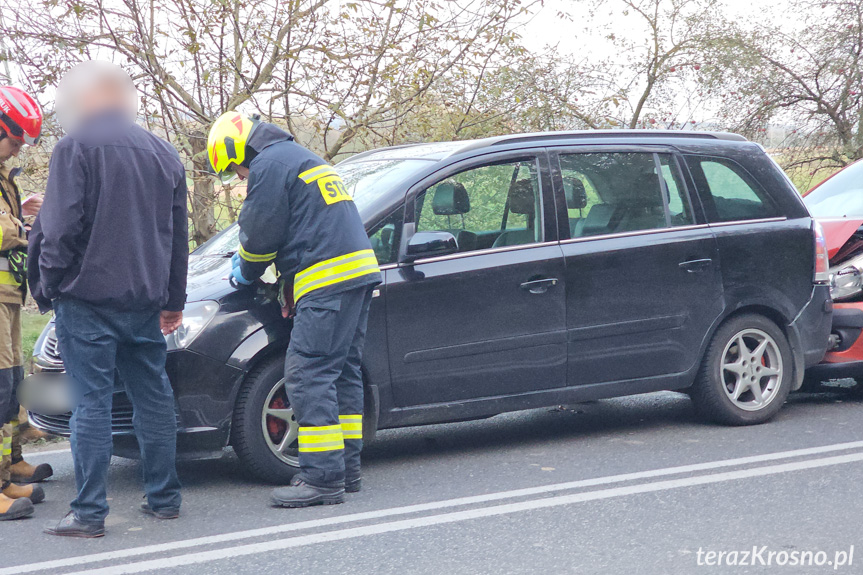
pixel 20 124
pixel 298 215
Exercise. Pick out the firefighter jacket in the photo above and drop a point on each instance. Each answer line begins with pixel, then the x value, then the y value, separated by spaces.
pixel 298 215
pixel 12 235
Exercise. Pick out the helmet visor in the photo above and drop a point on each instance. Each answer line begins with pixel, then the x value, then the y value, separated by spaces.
pixel 228 175
pixel 15 131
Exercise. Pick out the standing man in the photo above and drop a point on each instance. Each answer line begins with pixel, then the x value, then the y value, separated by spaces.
pixel 298 215
pixel 112 245
pixel 20 124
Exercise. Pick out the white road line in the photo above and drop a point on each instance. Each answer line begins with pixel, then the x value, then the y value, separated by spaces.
pixel 443 518
pixel 32 454
pixel 433 506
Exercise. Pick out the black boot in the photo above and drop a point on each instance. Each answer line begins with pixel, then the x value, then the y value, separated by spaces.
pixel 301 494
pixel 353 483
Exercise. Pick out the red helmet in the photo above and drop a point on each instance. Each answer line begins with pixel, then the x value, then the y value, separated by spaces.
pixel 20 116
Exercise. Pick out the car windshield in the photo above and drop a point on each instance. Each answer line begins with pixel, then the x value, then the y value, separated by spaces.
pixel 839 197
pixel 367 181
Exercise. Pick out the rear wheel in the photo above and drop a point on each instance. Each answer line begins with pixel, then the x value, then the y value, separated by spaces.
pixel 745 374
pixel 264 430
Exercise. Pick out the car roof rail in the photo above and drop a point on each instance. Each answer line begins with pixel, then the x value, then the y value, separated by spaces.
pixel 376 150
pixel 575 134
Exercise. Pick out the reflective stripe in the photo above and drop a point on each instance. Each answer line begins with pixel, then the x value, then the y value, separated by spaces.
pixel 310 176
pixel 6 450
pixel 335 270
pixel 324 438
pixel 7 279
pixel 257 258
pixel 352 426
pixel 334 446
pixel 4 262
pixel 319 430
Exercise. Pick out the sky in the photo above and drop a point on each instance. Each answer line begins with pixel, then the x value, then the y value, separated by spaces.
pixel 548 28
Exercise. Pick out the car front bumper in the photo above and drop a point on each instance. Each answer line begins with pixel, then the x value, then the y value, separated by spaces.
pixel 204 400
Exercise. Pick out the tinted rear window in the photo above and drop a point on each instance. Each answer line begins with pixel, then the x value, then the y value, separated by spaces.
pixel 728 192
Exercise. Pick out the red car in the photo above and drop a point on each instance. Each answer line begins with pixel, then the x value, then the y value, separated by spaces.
pixel 837 204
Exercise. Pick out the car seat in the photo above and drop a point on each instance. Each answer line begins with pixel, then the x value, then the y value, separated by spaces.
pixel 521 201
pixel 451 199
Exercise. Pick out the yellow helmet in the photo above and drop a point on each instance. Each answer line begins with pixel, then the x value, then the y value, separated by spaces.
pixel 226 144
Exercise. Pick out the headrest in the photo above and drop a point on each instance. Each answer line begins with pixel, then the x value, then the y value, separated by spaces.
pixel 450 199
pixel 576 195
pixel 644 187
pixel 521 200
pixel 598 220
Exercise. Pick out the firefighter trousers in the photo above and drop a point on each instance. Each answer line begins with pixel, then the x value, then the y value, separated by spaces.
pixel 11 374
pixel 324 383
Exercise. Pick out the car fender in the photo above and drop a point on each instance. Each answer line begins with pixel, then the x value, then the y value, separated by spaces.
pixel 773 304
pixel 261 346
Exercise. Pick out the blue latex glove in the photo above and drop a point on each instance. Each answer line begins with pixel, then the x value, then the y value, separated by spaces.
pixel 237 274
pixel 235 260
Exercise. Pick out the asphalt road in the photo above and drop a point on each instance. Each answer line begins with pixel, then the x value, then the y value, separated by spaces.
pixel 629 486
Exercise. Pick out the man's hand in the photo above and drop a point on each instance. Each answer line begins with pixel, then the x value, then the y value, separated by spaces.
pixel 31 206
pixel 170 321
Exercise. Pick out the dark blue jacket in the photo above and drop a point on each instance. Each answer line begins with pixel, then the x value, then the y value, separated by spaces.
pixel 113 229
pixel 299 215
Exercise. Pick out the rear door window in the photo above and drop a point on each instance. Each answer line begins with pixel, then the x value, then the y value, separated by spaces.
pixel 728 192
pixel 619 192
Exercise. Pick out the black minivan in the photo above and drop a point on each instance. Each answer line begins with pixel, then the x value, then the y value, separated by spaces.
pixel 524 271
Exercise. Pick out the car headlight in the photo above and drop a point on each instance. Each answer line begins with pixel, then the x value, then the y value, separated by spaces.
pixel 196 316
pixel 846 279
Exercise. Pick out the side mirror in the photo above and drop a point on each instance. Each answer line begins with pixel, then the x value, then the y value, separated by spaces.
pixel 430 244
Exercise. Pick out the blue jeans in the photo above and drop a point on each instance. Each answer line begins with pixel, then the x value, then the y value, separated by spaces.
pixel 96 343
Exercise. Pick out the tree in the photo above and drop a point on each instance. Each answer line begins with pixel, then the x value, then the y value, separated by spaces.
pixel 332 72
pixel 656 84
pixel 809 83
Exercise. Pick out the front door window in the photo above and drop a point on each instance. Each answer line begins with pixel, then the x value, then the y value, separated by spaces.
pixel 489 206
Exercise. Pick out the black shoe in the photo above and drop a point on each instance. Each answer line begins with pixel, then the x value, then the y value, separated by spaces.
pixel 353 484
pixel 301 494
pixel 69 526
pixel 164 513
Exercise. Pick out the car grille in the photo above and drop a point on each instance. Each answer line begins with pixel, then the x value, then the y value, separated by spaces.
pixel 51 349
pixel 121 418
pixel 121 410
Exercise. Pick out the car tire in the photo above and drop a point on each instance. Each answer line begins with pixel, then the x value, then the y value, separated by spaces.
pixel 253 435
pixel 736 386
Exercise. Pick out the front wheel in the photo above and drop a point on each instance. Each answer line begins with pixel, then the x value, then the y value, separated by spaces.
pixel 264 430
pixel 745 374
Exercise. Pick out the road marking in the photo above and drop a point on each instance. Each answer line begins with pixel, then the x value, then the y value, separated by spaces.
pixel 457 516
pixel 417 508
pixel 32 454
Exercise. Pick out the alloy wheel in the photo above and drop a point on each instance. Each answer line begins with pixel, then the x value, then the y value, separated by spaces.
pixel 751 369
pixel 280 425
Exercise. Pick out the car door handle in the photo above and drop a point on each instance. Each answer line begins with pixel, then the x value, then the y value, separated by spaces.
pixel 539 286
pixel 694 266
